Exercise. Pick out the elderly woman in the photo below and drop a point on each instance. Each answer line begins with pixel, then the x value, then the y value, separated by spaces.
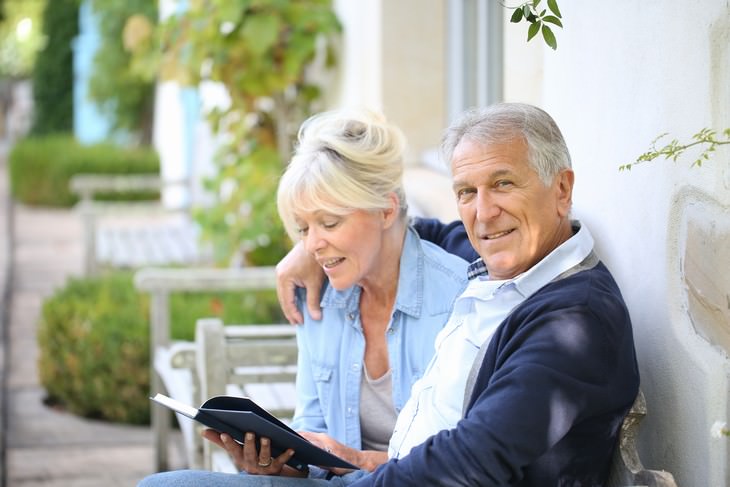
pixel 386 296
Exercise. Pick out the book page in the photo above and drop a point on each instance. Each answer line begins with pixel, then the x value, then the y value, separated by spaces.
pixel 176 405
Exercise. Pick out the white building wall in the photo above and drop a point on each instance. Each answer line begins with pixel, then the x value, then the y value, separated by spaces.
pixel 392 59
pixel 625 72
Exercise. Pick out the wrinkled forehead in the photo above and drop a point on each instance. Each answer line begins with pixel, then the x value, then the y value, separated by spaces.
pixel 472 152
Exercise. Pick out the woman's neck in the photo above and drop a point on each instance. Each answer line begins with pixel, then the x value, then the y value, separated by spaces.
pixel 380 286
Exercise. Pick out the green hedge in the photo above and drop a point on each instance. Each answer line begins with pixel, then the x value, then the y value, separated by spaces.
pixel 93 338
pixel 41 167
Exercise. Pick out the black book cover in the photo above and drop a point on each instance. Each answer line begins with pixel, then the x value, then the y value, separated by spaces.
pixel 238 415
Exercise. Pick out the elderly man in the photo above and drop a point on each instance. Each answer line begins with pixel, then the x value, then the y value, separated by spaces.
pixel 535 369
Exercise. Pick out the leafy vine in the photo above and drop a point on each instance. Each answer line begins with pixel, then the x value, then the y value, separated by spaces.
pixel 706 138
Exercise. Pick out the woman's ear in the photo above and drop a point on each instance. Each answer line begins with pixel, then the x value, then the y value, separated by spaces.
pixel 390 214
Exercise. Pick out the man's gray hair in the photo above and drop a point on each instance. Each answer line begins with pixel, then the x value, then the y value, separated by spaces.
pixel 547 152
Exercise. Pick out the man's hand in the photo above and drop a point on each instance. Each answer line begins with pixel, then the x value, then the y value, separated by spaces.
pixel 367 459
pixel 298 268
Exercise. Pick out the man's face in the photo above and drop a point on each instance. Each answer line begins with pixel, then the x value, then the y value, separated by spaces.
pixel 513 220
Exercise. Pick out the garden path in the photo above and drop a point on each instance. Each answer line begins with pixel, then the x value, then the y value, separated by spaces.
pixel 41 446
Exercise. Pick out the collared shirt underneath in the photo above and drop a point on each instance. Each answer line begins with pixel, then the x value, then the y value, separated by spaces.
pixel 436 399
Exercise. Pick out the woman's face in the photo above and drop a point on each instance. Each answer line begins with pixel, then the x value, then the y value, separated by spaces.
pixel 346 246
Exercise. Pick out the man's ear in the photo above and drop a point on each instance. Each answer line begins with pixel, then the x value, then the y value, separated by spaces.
pixel 564 189
pixel 391 213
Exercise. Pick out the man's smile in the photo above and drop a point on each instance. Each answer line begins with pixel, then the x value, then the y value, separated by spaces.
pixel 494 236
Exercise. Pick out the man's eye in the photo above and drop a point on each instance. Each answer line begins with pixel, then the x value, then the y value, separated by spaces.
pixel 503 183
pixel 464 193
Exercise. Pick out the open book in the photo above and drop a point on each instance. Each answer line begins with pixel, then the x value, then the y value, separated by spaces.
pixel 238 415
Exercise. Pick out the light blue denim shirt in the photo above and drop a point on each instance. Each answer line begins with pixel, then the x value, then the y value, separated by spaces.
pixel 331 350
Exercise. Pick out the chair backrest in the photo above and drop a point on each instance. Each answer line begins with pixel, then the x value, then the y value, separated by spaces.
pixel 256 361
pixel 246 356
pixel 626 468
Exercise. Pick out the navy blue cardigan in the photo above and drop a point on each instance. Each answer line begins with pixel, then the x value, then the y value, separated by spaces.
pixel 557 379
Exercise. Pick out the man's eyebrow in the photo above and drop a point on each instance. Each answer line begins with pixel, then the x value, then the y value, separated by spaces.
pixel 499 173
pixel 459 185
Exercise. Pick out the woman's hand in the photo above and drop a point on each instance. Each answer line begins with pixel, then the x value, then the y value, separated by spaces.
pixel 299 269
pixel 247 458
pixel 367 460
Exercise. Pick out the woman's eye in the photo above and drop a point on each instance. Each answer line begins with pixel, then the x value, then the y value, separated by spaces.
pixel 330 225
pixel 302 231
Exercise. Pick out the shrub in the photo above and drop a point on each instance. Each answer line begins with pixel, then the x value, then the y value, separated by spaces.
pixel 41 167
pixel 94 341
pixel 94 345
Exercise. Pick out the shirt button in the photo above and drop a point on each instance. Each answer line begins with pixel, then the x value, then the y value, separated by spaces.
pixel 355 366
pixel 351 316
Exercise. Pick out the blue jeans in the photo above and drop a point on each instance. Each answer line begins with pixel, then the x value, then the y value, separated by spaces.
pixel 203 478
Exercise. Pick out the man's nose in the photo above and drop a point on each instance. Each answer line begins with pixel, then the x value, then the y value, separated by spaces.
pixel 486 206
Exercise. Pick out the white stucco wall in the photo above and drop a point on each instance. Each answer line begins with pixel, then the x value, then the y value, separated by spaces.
pixel 392 59
pixel 625 72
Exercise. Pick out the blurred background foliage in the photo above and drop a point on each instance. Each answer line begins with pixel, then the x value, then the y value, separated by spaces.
pixel 41 168
pixel 20 36
pixel 267 54
pixel 94 341
pixel 122 95
pixel 53 71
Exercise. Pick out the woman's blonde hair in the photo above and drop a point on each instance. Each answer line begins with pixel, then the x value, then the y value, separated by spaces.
pixel 345 161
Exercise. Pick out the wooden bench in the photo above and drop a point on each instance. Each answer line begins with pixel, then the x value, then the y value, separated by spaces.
pixel 133 234
pixel 228 362
pixel 175 366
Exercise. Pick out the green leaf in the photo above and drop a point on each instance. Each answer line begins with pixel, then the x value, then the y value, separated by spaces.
pixel 553 20
pixel 553 6
pixel 549 37
pixel 516 16
pixel 533 30
pixel 526 11
pixel 260 32
pixel 535 3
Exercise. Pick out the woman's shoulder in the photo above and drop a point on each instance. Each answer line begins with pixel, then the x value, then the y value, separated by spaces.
pixel 443 262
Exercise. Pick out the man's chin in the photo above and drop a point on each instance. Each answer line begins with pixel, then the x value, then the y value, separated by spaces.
pixel 499 268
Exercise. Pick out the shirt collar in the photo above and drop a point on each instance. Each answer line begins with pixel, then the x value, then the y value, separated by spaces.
pixel 566 255
pixel 409 296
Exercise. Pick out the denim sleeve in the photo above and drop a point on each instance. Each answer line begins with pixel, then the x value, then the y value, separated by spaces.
pixel 308 415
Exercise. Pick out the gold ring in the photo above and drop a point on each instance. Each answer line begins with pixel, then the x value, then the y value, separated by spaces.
pixel 264 465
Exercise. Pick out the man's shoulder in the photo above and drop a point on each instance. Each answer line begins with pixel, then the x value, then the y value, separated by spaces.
pixel 594 289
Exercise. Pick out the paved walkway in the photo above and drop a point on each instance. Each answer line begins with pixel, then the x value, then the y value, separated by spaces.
pixel 41 446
